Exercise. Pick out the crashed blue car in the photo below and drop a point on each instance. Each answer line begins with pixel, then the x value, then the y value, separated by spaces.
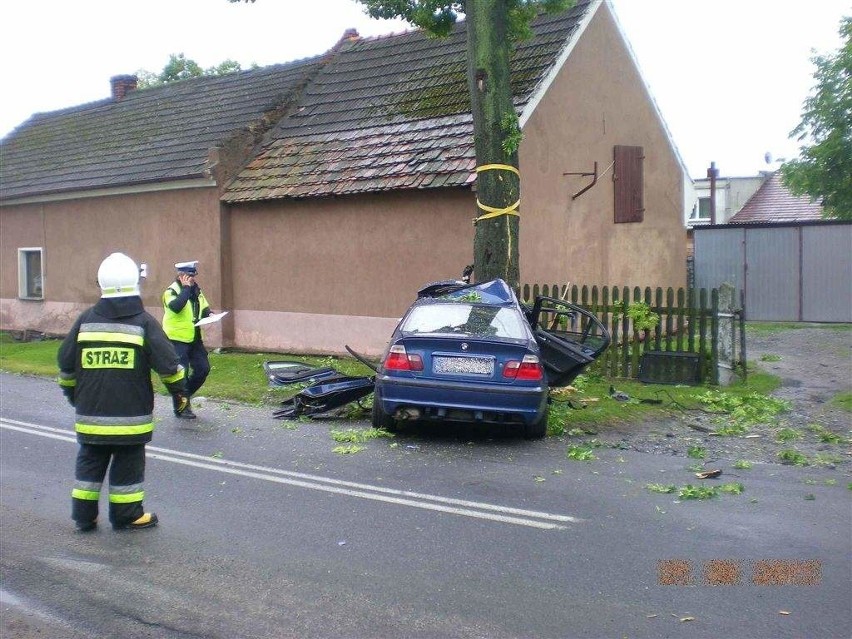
pixel 474 353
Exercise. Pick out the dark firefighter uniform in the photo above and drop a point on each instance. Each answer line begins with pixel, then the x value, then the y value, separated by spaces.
pixel 105 366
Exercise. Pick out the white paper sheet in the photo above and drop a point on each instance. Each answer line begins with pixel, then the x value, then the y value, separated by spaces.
pixel 211 318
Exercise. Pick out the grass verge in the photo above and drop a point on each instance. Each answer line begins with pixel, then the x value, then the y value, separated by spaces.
pixel 773 328
pixel 600 408
pixel 235 376
pixel 239 376
pixel 843 400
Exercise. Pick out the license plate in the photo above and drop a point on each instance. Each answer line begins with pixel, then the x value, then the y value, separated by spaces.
pixel 464 365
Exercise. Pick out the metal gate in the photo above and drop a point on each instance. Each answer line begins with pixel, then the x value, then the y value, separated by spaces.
pixel 788 272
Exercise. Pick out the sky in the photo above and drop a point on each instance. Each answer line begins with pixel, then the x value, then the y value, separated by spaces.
pixel 729 76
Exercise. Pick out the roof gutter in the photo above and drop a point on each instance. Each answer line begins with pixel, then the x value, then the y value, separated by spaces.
pixel 107 192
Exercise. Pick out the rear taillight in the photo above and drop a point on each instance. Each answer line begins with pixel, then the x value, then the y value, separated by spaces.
pixel 399 360
pixel 527 369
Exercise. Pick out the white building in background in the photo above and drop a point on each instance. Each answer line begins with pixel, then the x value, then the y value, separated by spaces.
pixel 731 195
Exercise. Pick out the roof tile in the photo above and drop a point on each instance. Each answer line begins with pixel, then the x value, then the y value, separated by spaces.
pixel 155 134
pixel 774 203
pixel 376 114
pixel 395 111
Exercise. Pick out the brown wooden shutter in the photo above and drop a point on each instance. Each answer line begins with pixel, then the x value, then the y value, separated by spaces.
pixel 629 189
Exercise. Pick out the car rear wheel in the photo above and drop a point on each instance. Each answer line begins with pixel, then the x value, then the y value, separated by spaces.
pixel 538 429
pixel 380 418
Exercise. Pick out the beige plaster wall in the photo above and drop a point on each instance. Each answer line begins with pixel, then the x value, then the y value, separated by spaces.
pixel 316 275
pixel 158 228
pixel 360 255
pixel 313 333
pixel 598 101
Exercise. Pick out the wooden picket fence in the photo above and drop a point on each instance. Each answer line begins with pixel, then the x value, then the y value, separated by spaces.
pixel 688 322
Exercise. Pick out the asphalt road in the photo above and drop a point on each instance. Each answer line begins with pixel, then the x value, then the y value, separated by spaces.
pixel 266 532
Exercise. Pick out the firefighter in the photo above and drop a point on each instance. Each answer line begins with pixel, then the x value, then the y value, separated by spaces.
pixel 183 306
pixel 105 365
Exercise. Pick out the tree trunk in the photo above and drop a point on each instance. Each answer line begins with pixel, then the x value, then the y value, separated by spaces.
pixel 495 245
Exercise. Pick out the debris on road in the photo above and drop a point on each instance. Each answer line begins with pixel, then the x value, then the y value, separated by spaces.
pixel 324 396
pixel 709 474
pixel 618 395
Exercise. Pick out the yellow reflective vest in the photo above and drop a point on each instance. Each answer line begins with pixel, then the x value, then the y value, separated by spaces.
pixel 180 327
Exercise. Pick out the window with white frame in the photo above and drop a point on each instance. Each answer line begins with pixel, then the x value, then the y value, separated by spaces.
pixel 30 274
pixel 701 212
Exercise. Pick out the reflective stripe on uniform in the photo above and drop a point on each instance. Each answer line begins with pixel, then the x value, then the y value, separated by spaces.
pixel 93 429
pixel 108 327
pixel 168 379
pixel 87 490
pixel 98 420
pixel 104 332
pixel 86 495
pixel 127 499
pixel 126 494
pixel 112 290
pixel 66 380
pixel 94 425
pixel 121 338
pixel 88 485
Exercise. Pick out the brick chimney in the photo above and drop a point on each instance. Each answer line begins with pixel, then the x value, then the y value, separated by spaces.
pixel 350 35
pixel 122 85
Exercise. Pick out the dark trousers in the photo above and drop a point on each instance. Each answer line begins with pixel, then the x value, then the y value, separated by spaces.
pixel 193 356
pixel 126 482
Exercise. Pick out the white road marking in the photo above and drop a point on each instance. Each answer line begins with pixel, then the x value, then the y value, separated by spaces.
pixel 479 510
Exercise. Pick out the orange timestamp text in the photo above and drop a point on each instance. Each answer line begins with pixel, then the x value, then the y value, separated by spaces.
pixel 735 572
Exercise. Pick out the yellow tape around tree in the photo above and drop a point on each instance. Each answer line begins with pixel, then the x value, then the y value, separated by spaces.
pixel 492 211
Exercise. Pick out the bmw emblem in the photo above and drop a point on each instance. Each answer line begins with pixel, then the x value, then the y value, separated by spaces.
pixel 464 346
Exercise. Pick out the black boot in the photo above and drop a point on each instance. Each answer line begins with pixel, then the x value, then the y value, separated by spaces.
pixel 182 407
pixel 86 526
pixel 187 413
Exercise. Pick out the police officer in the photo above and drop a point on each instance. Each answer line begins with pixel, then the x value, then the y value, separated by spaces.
pixel 184 304
pixel 105 365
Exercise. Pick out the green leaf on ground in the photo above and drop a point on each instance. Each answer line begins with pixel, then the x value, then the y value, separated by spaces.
pixel 348 450
pixel 794 457
pixel 359 435
pixel 697 492
pixel 661 488
pixel 735 488
pixel 580 453
pixel 696 452
pixel 787 435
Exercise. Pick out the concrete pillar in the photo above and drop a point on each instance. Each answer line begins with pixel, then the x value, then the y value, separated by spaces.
pixel 725 341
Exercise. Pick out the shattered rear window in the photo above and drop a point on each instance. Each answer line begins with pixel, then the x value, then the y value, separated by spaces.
pixel 470 320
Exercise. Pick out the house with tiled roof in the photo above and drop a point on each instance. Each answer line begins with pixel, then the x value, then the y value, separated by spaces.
pixel 140 172
pixel 319 195
pixel 773 203
pixel 137 137
pixel 790 263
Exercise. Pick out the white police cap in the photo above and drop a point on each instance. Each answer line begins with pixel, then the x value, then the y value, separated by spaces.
pixel 190 268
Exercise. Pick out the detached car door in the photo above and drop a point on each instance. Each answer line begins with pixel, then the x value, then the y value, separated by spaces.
pixel 570 338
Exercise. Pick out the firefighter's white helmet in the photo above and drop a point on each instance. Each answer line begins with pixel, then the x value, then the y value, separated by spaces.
pixel 118 276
